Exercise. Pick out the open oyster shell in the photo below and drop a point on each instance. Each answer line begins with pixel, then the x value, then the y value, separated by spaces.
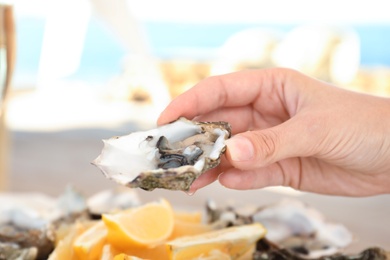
pixel 170 157
pixel 295 230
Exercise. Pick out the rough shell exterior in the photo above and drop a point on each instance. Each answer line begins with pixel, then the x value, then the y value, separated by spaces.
pixel 172 162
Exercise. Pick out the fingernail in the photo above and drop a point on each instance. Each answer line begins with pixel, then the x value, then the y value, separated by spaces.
pixel 240 148
pixel 219 180
pixel 191 191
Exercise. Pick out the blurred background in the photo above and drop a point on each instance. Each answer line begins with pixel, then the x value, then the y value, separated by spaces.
pixel 85 70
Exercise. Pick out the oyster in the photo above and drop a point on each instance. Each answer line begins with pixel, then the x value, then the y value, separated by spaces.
pixel 291 225
pixel 108 201
pixel 28 222
pixel 266 250
pixel 303 229
pixel 171 156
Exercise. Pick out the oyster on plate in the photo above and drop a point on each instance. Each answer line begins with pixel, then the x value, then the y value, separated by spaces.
pixel 291 225
pixel 171 156
pixel 28 222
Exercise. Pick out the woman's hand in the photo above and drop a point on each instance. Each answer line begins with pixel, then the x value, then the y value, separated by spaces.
pixel 292 130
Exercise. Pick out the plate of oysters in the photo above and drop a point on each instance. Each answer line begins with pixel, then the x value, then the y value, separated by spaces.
pixel 117 224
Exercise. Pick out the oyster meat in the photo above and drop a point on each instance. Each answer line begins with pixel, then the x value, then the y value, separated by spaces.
pixel 171 156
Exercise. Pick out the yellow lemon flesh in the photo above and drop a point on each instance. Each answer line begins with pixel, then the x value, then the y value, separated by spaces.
pixel 233 241
pixel 89 244
pixel 145 226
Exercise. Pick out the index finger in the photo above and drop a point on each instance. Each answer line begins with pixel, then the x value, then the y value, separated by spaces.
pixel 230 90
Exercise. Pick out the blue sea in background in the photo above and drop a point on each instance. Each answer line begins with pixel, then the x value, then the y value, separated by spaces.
pixel 103 55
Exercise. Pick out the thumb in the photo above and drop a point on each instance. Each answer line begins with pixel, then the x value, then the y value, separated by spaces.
pixel 254 149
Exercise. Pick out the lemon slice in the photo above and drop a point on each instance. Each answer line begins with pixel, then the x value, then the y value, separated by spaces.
pixel 64 249
pixel 126 257
pixel 233 241
pixel 144 226
pixel 183 228
pixel 190 217
pixel 90 243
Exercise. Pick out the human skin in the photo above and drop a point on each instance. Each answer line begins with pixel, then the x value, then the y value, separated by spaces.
pixel 292 130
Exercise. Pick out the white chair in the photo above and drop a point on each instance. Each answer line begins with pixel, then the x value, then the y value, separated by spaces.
pixel 63 42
